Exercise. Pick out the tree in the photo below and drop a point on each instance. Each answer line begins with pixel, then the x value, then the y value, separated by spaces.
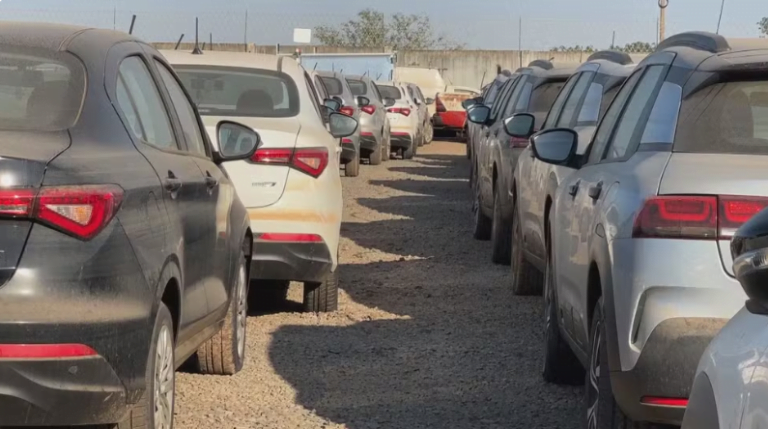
pixel 371 29
pixel 763 26
pixel 577 48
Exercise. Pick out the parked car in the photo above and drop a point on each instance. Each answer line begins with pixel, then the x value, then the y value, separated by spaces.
pixel 729 389
pixel 124 245
pixel 290 186
pixel 406 129
pixel 534 90
pixel 450 115
pixel 429 80
pixel 375 141
pixel 420 102
pixel 488 98
pixel 339 89
pixel 579 106
pixel 640 279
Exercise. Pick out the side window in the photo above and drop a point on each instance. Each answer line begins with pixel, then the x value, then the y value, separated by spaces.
pixel 524 98
pixel 501 100
pixel 138 98
pixel 321 88
pixel 632 119
pixel 603 133
pixel 184 110
pixel 376 91
pixel 313 96
pixel 662 122
pixel 557 106
pixel 511 107
pixel 589 113
pixel 569 110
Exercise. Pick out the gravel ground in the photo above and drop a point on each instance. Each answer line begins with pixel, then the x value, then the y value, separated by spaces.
pixel 428 334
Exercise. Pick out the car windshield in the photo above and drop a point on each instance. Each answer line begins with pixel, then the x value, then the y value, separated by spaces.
pixel 358 87
pixel 333 85
pixel 243 92
pixel 388 91
pixel 40 90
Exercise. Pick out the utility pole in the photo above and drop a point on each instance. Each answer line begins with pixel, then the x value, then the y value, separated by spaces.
pixel 245 32
pixel 613 40
pixel 720 18
pixel 662 18
pixel 520 40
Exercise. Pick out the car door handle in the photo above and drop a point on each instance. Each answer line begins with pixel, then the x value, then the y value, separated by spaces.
pixel 172 184
pixel 574 189
pixel 210 181
pixel 596 190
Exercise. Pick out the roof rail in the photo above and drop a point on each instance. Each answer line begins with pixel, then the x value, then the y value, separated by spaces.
pixel 542 64
pixel 701 40
pixel 617 57
pixel 506 73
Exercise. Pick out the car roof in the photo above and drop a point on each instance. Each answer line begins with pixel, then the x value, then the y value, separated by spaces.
pixel 711 52
pixel 58 37
pixel 233 59
pixel 358 77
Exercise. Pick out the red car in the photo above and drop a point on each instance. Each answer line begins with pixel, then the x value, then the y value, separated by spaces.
pixel 450 115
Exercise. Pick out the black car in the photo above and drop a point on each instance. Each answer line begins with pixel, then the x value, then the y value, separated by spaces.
pixel 123 246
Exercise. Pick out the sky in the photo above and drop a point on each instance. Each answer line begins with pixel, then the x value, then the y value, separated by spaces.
pixel 479 24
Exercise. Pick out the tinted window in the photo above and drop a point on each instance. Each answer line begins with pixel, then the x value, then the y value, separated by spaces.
pixel 322 91
pixel 493 91
pixel 542 99
pixel 512 105
pixel 631 118
pixel 660 127
pixel 603 133
pixel 733 119
pixel 524 98
pixel 503 98
pixel 557 106
pixel 388 91
pixel 358 87
pixel 137 94
pixel 377 92
pixel 185 112
pixel 315 100
pixel 608 99
pixel 333 85
pixel 229 91
pixel 579 90
pixel 589 113
pixel 39 90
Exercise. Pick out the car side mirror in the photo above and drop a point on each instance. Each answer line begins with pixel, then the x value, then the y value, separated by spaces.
pixel 389 102
pixel 341 125
pixel 430 100
pixel 749 249
pixel 362 101
pixel 466 104
pixel 555 146
pixel 479 114
pixel 236 142
pixel 332 104
pixel 520 125
pixel 417 101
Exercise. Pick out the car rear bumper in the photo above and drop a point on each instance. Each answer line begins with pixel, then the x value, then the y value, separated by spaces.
pixel 350 147
pixel 368 141
pixel 453 120
pixel 401 140
pixel 301 262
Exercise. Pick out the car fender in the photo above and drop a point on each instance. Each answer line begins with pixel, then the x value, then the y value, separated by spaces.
pixel 600 255
pixel 702 412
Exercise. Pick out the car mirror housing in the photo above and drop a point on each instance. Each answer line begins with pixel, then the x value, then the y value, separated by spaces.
pixel 555 146
pixel 520 125
pixel 479 114
pixel 341 125
pixel 236 142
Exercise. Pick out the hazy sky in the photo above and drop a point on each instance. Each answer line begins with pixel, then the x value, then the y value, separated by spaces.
pixel 485 24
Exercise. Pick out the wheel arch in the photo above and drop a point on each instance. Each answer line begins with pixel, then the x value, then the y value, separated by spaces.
pixel 600 284
pixel 168 292
pixel 701 412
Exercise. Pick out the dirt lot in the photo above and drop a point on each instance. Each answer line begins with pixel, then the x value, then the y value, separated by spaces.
pixel 428 335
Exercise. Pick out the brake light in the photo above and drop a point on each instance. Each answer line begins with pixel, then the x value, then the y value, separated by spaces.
pixel 80 211
pixel 369 109
pixel 401 110
pixel 516 142
pixel 311 161
pixel 291 238
pixel 347 110
pixel 439 105
pixel 665 402
pixel 346 140
pixel 44 351
pixel 695 216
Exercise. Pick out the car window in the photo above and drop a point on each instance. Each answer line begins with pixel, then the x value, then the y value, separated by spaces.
pixel 503 98
pixel 608 99
pixel 420 95
pixel 603 133
pixel 315 100
pixel 390 91
pixel 661 124
pixel 494 91
pixel 333 85
pixel 377 92
pixel 512 106
pixel 138 95
pixel 322 91
pixel 631 118
pixel 589 113
pixel 579 90
pixel 524 98
pixel 358 87
pixel 187 116
pixel 557 106
pixel 542 99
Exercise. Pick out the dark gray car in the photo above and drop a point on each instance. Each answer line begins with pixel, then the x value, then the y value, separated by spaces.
pixel 338 88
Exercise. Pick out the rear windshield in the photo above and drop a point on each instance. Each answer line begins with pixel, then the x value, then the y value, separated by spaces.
pixel 244 92
pixel 727 118
pixel 358 87
pixel 333 85
pixel 542 100
pixel 388 91
pixel 39 90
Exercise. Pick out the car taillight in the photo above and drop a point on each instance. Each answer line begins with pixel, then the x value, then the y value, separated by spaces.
pixel 401 110
pixel 290 237
pixel 516 142
pixel 369 109
pixel 347 110
pixel 702 217
pixel 311 161
pixel 439 105
pixel 80 211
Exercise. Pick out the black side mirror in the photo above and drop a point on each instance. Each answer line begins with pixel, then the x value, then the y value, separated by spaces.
pixel 555 145
pixel 479 114
pixel 466 104
pixel 362 101
pixel 389 102
pixel 520 125
pixel 236 142
pixel 749 249
pixel 332 104
pixel 429 100
pixel 341 125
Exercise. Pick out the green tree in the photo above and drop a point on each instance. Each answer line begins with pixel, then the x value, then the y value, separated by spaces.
pixel 763 26
pixel 372 29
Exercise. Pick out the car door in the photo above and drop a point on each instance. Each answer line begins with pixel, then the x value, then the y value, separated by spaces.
pixel 381 110
pixel 153 129
pixel 485 149
pixel 213 204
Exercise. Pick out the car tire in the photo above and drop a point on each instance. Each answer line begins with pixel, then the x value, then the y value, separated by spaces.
pixel 352 169
pixel 482 230
pixel 322 297
pixel 224 353
pixel 560 365
pixel 266 295
pixel 161 356
pixel 375 157
pixel 526 279
pixel 410 152
pixel 601 409
pixel 469 153
pixel 430 135
pixel 501 232
pixel 387 150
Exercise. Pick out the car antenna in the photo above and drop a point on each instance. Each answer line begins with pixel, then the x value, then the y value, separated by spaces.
pixel 133 21
pixel 176 48
pixel 197 50
pixel 315 67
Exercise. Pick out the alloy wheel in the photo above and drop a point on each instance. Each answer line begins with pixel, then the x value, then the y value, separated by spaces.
pixel 164 380
pixel 242 311
pixel 593 383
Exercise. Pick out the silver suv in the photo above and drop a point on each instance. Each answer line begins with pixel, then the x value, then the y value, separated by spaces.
pixel 640 277
pixel 374 124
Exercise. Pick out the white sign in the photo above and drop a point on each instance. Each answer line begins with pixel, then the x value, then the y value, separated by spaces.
pixel 302 35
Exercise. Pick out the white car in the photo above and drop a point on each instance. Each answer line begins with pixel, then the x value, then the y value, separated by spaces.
pixel 291 187
pixel 406 129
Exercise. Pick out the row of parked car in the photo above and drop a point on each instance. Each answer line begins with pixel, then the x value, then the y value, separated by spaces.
pixel 620 193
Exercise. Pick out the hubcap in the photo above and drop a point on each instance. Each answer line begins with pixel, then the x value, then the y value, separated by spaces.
pixel 242 311
pixel 164 380
pixel 593 389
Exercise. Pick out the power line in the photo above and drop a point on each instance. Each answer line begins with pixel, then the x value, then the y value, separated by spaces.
pixel 722 6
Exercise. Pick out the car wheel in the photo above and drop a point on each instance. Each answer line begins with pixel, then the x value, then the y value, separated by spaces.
pixel 482 222
pixel 560 365
pixel 526 279
pixel 155 407
pixel 375 156
pixel 469 153
pixel 224 353
pixel 352 169
pixel 322 297
pixel 388 149
pixel 410 152
pixel 430 135
pixel 266 295
pixel 501 233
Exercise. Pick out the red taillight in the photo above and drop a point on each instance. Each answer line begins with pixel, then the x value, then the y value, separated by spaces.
pixel 347 110
pixel 695 216
pixel 291 238
pixel 439 105
pixel 81 211
pixel 665 402
pixel 44 351
pixel 401 110
pixel 346 140
pixel 308 160
pixel 516 142
pixel 369 109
